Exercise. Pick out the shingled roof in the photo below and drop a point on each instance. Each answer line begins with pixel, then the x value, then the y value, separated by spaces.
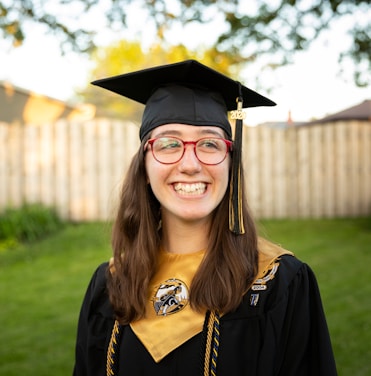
pixel 20 105
pixel 360 111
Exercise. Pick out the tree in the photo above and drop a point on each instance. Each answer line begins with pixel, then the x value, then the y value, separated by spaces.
pixel 251 30
pixel 126 56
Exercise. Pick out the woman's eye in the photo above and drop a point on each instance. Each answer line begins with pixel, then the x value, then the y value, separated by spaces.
pixel 209 144
pixel 168 144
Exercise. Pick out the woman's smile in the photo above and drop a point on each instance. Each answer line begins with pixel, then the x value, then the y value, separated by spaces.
pixel 190 189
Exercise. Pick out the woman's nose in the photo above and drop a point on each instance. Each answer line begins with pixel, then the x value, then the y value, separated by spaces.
pixel 189 162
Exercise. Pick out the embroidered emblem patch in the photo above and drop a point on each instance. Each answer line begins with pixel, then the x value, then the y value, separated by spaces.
pixel 170 297
pixel 261 283
pixel 272 269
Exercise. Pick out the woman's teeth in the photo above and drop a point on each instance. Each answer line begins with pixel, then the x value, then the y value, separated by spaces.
pixel 195 188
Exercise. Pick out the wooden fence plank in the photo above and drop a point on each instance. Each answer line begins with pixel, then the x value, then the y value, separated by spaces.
pixel 252 168
pixel 124 144
pixel 118 164
pixel 279 164
pixel 15 152
pixel 266 173
pixel 89 171
pixel 328 191
pixel 365 169
pixel 75 172
pixel 303 173
pixel 104 167
pixel 4 173
pixel 316 155
pixel 31 163
pixel 291 153
pixel 46 164
pixel 354 168
pixel 341 169
pixel 62 168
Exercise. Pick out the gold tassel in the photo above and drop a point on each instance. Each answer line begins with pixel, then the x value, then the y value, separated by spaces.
pixel 236 224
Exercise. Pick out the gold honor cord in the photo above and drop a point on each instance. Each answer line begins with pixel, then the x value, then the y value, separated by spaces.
pixel 212 344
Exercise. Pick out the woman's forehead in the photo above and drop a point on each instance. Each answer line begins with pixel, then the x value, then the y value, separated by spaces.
pixel 181 130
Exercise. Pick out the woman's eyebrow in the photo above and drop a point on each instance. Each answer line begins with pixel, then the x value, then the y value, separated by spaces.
pixel 202 132
pixel 169 132
pixel 211 131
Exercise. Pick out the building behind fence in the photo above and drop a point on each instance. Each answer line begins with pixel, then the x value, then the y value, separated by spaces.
pixel 311 171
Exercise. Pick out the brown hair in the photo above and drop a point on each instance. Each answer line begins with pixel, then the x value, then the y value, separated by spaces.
pixel 226 272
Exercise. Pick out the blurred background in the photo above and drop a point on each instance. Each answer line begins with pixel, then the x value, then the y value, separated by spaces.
pixel 65 147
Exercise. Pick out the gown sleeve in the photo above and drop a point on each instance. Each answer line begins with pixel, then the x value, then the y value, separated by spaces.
pixel 94 327
pixel 279 330
pixel 305 346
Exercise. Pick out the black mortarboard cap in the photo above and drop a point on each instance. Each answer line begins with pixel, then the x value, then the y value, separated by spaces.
pixel 180 106
pixel 191 93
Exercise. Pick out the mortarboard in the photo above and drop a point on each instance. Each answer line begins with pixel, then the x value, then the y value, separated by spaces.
pixel 191 93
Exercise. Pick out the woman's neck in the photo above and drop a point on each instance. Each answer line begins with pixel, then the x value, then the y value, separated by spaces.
pixel 184 237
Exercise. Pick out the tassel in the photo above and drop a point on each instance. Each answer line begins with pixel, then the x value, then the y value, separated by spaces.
pixel 236 224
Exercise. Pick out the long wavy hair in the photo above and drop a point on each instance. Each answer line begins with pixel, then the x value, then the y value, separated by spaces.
pixel 224 275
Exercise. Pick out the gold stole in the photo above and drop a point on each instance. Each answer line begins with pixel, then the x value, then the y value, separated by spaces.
pixel 162 334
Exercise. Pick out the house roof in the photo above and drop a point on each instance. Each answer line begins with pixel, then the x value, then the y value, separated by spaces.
pixel 20 105
pixel 361 111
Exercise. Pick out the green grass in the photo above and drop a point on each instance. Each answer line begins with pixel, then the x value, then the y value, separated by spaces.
pixel 42 286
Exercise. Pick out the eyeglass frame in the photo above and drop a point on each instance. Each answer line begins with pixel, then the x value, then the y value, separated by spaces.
pixel 228 143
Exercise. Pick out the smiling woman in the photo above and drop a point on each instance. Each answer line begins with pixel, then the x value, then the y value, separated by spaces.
pixel 189 278
pixel 187 188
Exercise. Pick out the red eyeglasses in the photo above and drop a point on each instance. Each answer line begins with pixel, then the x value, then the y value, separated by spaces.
pixel 208 150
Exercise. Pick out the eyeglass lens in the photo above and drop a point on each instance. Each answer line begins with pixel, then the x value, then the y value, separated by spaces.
pixel 171 149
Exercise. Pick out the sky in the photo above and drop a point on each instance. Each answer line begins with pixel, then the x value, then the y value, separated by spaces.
pixel 309 88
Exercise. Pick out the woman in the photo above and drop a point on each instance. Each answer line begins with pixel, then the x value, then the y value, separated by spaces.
pixel 191 289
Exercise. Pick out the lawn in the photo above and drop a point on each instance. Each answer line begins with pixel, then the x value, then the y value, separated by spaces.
pixel 42 285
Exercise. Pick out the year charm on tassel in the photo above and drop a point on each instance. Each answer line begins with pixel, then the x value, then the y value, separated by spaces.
pixel 238 115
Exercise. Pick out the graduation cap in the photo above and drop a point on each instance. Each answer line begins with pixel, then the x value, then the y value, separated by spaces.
pixel 191 93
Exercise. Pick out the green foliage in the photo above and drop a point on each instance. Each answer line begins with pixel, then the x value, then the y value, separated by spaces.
pixel 27 224
pixel 43 285
pixel 124 56
pixel 249 29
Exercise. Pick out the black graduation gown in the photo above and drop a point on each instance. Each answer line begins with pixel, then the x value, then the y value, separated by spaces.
pixel 279 331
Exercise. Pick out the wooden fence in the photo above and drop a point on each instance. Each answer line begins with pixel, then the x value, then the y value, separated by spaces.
pixel 299 172
pixel 309 171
